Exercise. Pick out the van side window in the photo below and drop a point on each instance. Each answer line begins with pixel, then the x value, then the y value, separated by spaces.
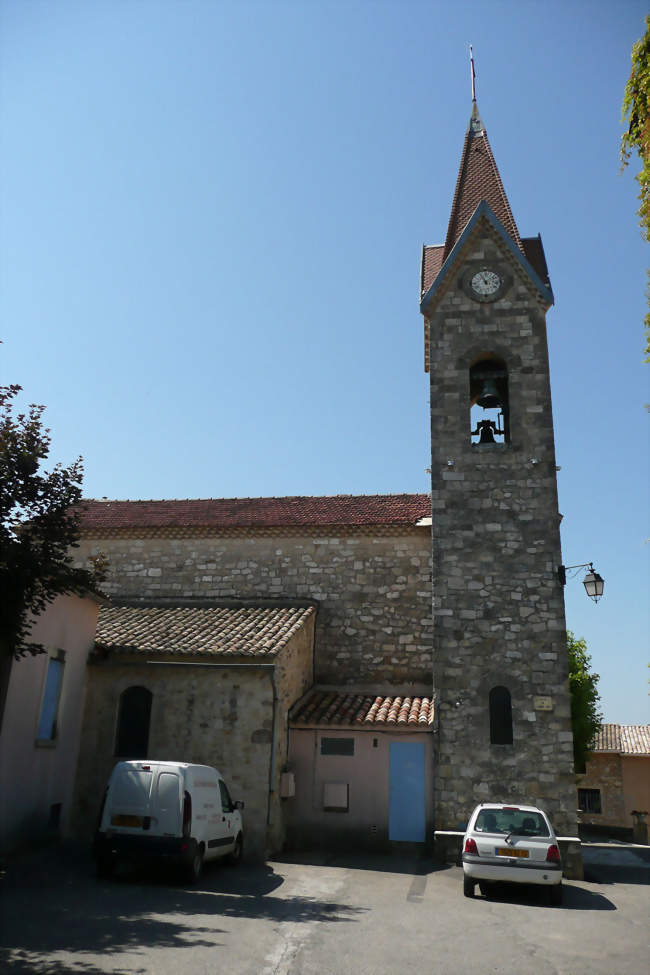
pixel 134 714
pixel 226 801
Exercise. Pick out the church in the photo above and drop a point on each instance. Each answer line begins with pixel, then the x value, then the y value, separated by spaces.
pixel 364 670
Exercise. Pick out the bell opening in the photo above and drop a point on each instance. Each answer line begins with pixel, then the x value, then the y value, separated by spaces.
pixel 488 393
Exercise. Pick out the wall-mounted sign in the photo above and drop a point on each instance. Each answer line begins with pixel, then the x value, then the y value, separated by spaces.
pixel 543 703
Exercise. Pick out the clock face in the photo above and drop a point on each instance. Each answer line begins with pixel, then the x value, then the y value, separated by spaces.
pixel 485 282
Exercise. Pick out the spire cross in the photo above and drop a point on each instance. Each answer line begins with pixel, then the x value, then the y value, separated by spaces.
pixel 471 64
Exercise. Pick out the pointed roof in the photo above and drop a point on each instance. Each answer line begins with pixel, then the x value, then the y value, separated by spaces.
pixel 478 180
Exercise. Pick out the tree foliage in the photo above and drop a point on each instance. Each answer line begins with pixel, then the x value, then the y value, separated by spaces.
pixel 38 528
pixel 636 113
pixel 586 716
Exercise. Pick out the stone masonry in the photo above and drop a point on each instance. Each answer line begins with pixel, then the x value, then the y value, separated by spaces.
pixel 373 587
pixel 498 605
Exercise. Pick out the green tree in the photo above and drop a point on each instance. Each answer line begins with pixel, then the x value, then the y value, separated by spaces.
pixel 586 716
pixel 38 527
pixel 636 113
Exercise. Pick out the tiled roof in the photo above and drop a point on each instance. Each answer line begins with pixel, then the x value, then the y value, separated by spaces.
pixel 332 708
pixel 625 739
pixel 431 264
pixel 342 509
pixel 207 631
pixel 478 179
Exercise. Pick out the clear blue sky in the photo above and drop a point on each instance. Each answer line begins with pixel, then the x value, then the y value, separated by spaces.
pixel 211 222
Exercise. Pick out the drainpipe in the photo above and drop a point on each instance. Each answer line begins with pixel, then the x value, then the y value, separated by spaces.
pixel 274 745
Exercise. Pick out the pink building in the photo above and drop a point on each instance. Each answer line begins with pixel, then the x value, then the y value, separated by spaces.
pixel 41 721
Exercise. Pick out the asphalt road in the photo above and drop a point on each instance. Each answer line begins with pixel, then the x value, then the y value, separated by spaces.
pixel 320 915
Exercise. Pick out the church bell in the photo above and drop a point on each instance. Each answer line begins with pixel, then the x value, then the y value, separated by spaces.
pixel 489 397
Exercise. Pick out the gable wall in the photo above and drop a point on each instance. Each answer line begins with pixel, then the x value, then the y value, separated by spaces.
pixel 374 591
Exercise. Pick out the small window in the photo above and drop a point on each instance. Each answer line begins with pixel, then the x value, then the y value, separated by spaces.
pixel 337 746
pixel 132 739
pixel 589 801
pixel 47 725
pixel 500 716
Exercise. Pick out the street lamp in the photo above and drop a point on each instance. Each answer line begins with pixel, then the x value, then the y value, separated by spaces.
pixel 593 582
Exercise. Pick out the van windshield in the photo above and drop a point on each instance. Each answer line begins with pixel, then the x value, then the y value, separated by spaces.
pixel 132 787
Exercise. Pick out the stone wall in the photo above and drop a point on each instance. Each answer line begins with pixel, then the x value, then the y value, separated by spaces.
pixel 624 784
pixel 498 604
pixel 294 675
pixel 374 590
pixel 605 772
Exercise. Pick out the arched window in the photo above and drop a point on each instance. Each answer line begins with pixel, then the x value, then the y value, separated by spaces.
pixel 134 713
pixel 488 402
pixel 500 716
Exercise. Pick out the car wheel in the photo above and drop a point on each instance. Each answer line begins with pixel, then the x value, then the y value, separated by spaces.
pixel 555 894
pixel 196 866
pixel 237 852
pixel 468 886
pixel 486 889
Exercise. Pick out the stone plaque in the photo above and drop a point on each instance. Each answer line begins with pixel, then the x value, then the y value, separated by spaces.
pixel 543 703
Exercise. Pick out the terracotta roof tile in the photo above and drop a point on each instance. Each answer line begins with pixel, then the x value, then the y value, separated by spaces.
pixel 207 631
pixel 625 739
pixel 478 179
pixel 431 264
pixel 343 509
pixel 341 708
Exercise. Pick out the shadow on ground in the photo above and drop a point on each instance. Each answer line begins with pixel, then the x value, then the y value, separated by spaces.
pixel 54 904
pixel 616 863
pixel 575 898
pixel 416 863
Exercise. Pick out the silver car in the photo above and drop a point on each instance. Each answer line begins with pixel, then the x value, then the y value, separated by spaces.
pixel 511 844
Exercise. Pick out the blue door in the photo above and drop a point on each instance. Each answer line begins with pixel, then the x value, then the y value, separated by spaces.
pixel 407 806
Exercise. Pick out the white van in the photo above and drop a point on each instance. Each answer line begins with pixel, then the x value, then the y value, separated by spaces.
pixel 167 812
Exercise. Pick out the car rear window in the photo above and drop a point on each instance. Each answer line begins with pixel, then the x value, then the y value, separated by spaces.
pixel 520 821
pixel 132 787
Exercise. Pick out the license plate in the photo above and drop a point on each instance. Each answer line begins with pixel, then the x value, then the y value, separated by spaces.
pixel 121 820
pixel 510 852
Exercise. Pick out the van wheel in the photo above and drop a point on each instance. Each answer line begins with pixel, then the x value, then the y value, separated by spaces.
pixel 104 867
pixel 195 868
pixel 235 855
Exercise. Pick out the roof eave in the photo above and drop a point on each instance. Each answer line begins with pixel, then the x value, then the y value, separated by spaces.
pixel 484 210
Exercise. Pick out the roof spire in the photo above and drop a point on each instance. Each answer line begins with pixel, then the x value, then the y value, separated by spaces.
pixel 473 73
pixel 478 179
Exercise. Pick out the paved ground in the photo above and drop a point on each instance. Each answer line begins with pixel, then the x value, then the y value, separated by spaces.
pixel 321 916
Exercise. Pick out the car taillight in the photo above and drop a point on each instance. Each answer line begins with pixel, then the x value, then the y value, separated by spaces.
pixel 553 854
pixel 470 846
pixel 187 814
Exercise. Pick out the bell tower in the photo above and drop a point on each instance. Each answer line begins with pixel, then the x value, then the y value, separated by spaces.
pixel 500 657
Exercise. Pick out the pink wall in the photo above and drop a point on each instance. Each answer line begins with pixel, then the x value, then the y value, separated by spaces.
pixel 35 776
pixel 366 772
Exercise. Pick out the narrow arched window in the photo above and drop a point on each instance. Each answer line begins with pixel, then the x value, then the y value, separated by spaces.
pixel 489 402
pixel 500 716
pixel 134 713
